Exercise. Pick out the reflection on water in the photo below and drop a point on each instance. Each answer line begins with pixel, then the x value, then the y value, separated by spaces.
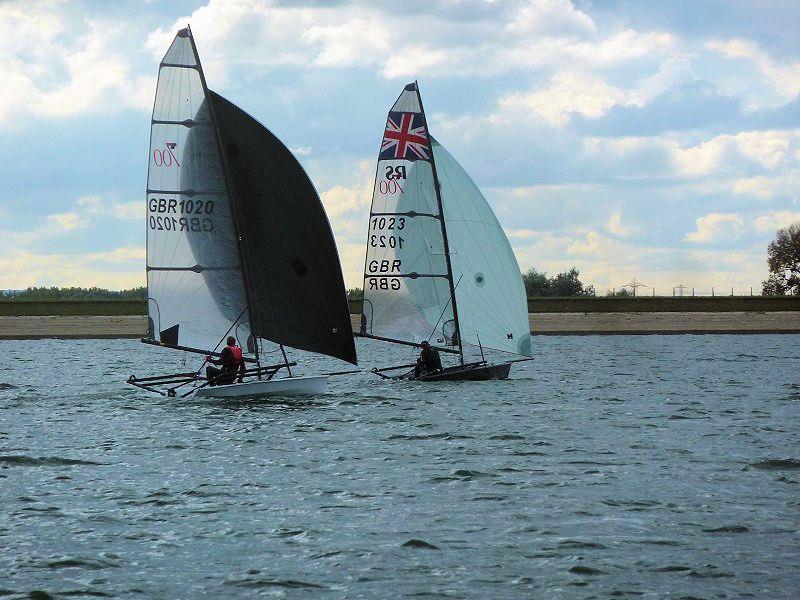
pixel 609 466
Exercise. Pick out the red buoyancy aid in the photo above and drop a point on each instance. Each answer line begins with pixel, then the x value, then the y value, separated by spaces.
pixel 236 353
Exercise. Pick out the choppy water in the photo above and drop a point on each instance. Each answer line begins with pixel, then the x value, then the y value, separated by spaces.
pixel 611 466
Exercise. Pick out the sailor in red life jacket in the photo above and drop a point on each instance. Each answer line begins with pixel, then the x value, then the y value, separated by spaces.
pixel 232 362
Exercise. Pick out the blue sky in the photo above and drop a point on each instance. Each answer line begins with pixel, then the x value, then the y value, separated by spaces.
pixel 652 139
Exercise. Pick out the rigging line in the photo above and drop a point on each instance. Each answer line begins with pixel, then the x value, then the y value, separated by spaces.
pixel 440 318
pixel 224 336
pixel 226 176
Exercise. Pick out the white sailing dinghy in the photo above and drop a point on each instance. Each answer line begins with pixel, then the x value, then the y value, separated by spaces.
pixel 238 243
pixel 438 265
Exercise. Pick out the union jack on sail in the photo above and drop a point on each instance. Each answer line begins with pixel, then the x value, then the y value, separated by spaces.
pixel 405 137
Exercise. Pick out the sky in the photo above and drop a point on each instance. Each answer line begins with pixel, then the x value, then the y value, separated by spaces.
pixel 656 140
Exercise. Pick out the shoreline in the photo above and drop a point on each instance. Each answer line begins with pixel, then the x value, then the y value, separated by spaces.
pixel 38 327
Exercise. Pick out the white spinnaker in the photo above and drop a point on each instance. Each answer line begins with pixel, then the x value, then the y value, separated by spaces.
pixel 490 294
pixel 406 288
pixel 195 284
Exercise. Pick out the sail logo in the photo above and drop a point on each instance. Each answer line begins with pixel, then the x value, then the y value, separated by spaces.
pixel 166 157
pixel 405 137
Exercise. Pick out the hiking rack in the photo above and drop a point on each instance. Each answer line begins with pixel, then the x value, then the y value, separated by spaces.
pixel 155 382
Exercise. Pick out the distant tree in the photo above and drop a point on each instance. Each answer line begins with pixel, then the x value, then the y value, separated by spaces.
pixel 77 293
pixel 536 283
pixel 355 293
pixel 621 293
pixel 568 283
pixel 783 259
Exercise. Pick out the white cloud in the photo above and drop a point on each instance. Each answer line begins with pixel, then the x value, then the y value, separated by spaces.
pixel 48 74
pixel 715 227
pixel 338 42
pixel 771 222
pixel 95 205
pixel 567 94
pixel 783 76
pixel 543 17
pixel 618 228
pixel 538 34
pixel 65 221
pixel 129 210
pixel 521 233
pixel 22 268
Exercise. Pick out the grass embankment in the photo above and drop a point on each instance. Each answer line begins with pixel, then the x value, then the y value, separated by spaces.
pixel 651 304
pixel 22 308
pixel 69 308
pixel 686 304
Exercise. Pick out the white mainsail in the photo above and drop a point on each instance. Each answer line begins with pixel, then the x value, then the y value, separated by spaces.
pixel 407 291
pixel 196 289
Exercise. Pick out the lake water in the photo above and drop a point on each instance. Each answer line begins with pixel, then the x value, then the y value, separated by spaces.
pixel 642 466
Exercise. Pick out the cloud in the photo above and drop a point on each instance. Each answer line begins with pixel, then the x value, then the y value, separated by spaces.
pixel 567 94
pixel 715 227
pixel 546 17
pixel 120 268
pixel 65 221
pixel 521 233
pixel 336 42
pixel 95 205
pixel 511 36
pixel 784 77
pixel 785 183
pixel 616 227
pixel 48 74
pixel 771 222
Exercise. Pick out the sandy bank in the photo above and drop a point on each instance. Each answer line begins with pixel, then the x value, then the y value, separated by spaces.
pixel 627 323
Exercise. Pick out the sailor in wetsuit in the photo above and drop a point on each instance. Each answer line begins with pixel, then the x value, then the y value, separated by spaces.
pixel 232 362
pixel 428 361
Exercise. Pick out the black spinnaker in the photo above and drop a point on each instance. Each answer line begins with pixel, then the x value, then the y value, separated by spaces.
pixel 297 294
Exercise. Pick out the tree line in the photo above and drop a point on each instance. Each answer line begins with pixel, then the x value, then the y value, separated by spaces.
pixel 783 259
pixel 76 293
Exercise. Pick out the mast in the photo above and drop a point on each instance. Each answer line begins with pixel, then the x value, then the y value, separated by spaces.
pixel 444 228
pixel 229 188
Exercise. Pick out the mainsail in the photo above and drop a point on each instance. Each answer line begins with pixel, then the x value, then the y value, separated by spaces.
pixel 238 241
pixel 438 266
pixel 195 283
pixel 407 281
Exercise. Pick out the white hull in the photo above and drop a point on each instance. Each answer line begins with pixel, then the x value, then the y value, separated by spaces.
pixel 289 386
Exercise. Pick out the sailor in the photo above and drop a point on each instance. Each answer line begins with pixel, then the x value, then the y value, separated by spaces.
pixel 428 361
pixel 232 362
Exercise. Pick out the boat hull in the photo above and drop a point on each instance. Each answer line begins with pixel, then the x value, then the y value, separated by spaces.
pixel 474 372
pixel 288 386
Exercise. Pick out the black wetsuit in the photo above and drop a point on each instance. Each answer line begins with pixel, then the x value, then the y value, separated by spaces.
pixel 227 374
pixel 428 362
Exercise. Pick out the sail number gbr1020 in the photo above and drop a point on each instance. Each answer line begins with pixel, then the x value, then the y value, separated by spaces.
pixel 198 215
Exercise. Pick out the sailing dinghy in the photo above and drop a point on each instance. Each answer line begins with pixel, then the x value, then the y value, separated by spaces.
pixel 238 243
pixel 438 265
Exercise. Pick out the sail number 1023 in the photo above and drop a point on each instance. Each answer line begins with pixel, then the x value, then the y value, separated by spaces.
pixel 381 223
pixel 386 241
